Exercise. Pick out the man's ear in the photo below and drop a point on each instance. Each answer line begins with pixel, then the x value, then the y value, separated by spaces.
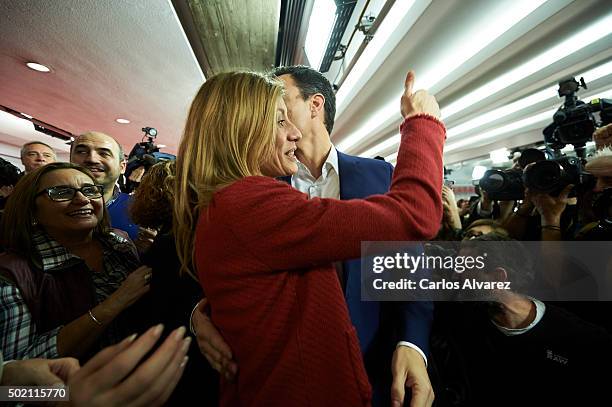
pixel 500 274
pixel 122 166
pixel 317 105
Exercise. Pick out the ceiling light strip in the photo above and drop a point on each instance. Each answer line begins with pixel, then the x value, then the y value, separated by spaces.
pixel 548 93
pixel 430 79
pixel 576 42
pixel 501 112
pixel 544 117
pixel 386 39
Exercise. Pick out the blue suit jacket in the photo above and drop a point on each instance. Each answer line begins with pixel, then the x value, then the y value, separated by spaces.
pixel 379 325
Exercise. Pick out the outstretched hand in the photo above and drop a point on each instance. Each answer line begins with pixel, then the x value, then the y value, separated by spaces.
pixel 117 377
pixel 417 102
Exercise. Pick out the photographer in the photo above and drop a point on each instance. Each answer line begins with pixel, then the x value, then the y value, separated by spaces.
pixel 600 166
pixel 503 191
pixel 511 349
pixel 143 156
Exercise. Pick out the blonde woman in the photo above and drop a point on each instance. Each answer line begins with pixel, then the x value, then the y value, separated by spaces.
pixel 263 251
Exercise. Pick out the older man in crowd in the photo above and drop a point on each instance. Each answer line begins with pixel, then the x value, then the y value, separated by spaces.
pixel 36 154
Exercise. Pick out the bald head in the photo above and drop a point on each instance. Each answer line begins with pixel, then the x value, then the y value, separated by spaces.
pixel 100 136
pixel 103 155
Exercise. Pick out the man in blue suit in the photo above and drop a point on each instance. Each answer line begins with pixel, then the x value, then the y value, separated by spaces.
pixel 394 337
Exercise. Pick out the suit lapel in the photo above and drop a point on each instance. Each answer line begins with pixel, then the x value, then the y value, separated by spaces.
pixel 350 174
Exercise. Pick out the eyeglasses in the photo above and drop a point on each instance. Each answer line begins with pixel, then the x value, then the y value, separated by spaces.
pixel 64 193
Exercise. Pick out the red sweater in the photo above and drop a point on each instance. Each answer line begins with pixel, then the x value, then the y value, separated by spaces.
pixel 264 254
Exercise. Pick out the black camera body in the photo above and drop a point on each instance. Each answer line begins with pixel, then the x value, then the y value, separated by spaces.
pixel 503 185
pixel 552 176
pixel 142 153
pixel 574 122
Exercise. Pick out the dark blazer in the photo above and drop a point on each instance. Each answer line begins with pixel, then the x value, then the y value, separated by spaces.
pixel 379 325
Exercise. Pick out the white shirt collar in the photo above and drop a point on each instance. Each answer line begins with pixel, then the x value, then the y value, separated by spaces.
pixel 540 309
pixel 330 162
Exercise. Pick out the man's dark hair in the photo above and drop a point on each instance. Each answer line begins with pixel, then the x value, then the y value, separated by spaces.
pixel 310 82
pixel 512 256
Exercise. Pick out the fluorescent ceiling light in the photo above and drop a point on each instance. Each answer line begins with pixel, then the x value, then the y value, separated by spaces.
pixel 548 93
pixel 489 117
pixel 539 118
pixel 374 50
pixel 390 142
pixel 543 117
pixel 487 32
pixel 122 121
pixel 499 156
pixel 582 39
pixel 37 67
pixel 320 27
pixel 490 29
pixel 162 146
pixel 478 172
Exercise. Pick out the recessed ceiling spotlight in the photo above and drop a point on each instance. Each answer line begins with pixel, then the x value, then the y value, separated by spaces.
pixel 122 121
pixel 38 67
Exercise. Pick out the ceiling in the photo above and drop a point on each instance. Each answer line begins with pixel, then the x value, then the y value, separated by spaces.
pixel 476 56
pixel 231 34
pixel 109 59
pixel 493 65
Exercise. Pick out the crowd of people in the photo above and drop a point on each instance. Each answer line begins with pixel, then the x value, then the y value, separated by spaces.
pixel 249 243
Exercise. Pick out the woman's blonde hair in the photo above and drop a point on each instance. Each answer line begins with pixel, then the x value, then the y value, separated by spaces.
pixel 230 132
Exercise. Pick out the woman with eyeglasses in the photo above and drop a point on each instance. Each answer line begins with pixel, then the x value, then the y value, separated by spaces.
pixel 66 276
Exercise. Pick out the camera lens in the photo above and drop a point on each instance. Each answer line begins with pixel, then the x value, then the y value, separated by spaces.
pixel 543 176
pixel 503 185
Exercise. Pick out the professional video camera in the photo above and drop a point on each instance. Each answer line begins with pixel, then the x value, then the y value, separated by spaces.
pixel 553 176
pixel 507 185
pixel 503 185
pixel 144 154
pixel 574 122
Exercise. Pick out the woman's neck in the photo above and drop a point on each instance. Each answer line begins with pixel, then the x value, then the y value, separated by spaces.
pixel 73 241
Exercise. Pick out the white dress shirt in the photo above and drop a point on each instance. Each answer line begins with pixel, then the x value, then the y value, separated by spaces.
pixel 328 186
